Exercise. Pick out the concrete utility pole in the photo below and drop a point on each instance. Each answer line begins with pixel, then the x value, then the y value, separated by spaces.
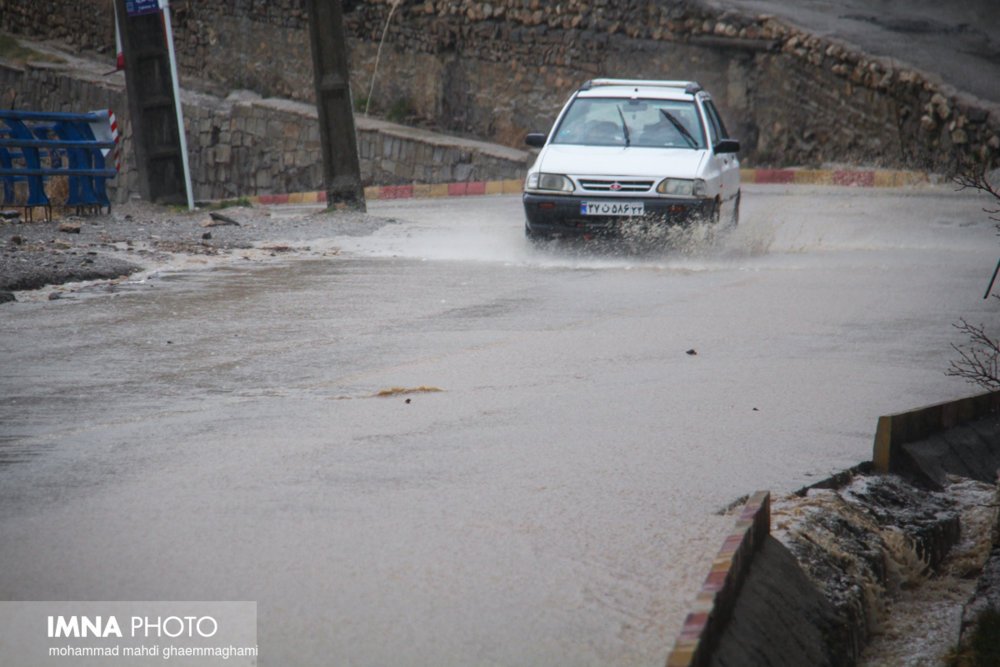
pixel 151 101
pixel 341 166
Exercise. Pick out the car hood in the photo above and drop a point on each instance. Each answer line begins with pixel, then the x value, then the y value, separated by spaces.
pixel 620 161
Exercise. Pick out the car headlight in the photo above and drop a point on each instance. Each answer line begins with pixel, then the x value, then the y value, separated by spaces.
pixel 542 181
pixel 682 187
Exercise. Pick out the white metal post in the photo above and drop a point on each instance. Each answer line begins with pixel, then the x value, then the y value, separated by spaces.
pixel 165 6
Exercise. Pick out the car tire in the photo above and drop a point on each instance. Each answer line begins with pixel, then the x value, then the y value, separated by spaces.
pixel 735 220
pixel 716 215
pixel 708 226
pixel 532 235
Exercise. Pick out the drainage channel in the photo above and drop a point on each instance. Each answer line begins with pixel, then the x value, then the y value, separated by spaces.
pixel 891 561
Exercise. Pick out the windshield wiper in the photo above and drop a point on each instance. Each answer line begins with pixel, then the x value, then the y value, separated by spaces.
pixel 621 113
pixel 692 142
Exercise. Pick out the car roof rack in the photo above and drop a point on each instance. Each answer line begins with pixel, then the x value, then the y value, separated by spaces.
pixel 690 87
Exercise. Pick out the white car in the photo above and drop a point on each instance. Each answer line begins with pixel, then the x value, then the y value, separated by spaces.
pixel 623 150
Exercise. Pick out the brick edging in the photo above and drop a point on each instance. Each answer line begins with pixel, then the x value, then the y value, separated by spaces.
pixel 411 191
pixel 879 178
pixel 714 604
pixel 841 177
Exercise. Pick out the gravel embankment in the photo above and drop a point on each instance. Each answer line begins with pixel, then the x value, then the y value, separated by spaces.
pixel 140 237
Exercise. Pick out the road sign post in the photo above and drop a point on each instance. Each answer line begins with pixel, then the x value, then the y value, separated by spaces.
pixel 154 101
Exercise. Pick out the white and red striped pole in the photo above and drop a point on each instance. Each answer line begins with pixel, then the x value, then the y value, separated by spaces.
pixel 107 132
pixel 114 137
pixel 120 57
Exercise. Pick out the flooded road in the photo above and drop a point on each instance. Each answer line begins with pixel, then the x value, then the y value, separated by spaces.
pixel 445 446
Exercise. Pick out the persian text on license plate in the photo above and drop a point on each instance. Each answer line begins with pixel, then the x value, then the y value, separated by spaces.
pixel 626 208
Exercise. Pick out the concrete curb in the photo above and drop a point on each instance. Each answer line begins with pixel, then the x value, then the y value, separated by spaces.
pixel 410 191
pixel 839 177
pixel 714 604
pixel 894 431
pixel 864 178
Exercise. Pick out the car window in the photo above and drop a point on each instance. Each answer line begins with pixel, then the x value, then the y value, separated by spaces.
pixel 613 121
pixel 713 124
pixel 718 129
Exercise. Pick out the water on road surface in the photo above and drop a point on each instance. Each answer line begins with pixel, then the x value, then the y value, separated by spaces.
pixel 546 491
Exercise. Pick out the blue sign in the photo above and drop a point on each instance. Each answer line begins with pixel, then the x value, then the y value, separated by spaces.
pixel 139 7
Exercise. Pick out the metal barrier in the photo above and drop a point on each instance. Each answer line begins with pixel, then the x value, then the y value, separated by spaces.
pixel 36 145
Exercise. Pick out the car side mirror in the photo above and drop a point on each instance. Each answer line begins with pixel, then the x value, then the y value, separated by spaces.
pixel 727 146
pixel 535 139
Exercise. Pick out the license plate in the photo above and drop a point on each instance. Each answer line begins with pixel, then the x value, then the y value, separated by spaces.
pixel 625 208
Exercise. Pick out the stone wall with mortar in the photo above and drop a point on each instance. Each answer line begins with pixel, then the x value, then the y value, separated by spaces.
pixel 245 145
pixel 504 67
pixel 500 68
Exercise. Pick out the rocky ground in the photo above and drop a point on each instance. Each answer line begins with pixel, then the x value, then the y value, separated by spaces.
pixel 71 249
pixel 906 569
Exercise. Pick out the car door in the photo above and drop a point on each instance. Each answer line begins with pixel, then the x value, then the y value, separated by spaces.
pixel 727 163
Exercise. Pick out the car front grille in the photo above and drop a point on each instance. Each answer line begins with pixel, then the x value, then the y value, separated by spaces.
pixel 604 185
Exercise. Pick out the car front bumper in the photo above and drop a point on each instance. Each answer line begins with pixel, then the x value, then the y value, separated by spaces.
pixel 561 214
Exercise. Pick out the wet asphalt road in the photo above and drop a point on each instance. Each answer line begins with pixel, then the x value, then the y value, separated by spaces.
pixel 545 490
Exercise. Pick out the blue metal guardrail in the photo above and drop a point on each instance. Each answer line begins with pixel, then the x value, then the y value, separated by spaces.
pixel 35 145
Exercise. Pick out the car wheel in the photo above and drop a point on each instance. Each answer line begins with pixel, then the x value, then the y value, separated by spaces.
pixel 736 209
pixel 708 227
pixel 532 235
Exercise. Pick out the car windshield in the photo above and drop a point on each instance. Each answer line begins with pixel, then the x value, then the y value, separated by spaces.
pixel 618 121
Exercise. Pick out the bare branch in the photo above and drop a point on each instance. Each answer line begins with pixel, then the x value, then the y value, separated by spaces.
pixel 972 179
pixel 979 357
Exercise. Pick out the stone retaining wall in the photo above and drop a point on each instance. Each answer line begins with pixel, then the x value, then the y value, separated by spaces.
pixel 500 68
pixel 246 145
